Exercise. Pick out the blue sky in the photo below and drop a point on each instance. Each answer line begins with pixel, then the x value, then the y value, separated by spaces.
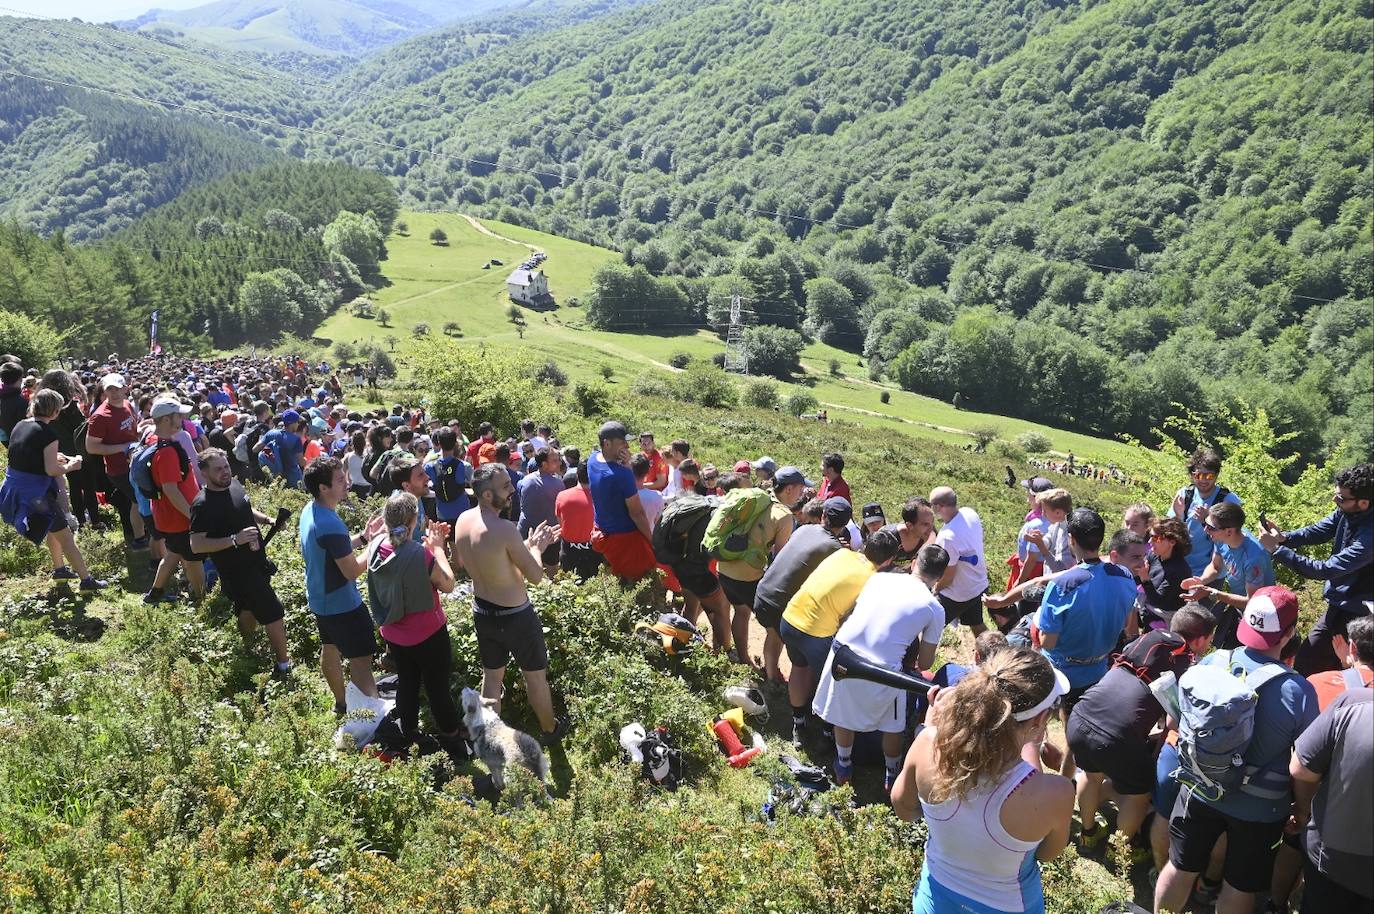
pixel 93 10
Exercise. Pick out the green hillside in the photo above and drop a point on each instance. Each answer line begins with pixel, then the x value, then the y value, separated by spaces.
pixel 436 285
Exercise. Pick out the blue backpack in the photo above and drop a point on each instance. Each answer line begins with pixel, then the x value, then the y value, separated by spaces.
pixel 1216 722
pixel 141 466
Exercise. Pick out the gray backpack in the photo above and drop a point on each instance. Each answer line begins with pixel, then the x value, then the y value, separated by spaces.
pixel 1216 723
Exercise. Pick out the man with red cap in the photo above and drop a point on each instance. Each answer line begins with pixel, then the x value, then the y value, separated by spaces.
pixel 1253 811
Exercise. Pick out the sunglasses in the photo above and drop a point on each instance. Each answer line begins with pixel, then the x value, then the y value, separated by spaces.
pixel 1159 536
pixel 1198 475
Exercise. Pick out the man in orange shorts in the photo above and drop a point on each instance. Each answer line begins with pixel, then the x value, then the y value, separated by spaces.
pixel 626 540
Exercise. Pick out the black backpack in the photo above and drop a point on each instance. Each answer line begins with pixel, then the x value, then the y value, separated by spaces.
pixel 1191 492
pixel 662 759
pixel 446 484
pixel 1155 653
pixel 677 538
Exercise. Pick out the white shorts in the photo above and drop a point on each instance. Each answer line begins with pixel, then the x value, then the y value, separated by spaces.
pixel 859 705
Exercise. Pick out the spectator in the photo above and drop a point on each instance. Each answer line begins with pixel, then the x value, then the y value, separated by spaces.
pixel 13 406
pixel 404 580
pixel 1084 611
pixel 805 549
pixel 1168 568
pixel 576 518
pixel 1333 787
pixel 1355 650
pixel 873 519
pixel 1252 815
pixel 832 478
pixel 894 619
pixel 449 476
pixel 354 460
pixel 29 499
pixel 331 570
pixel 1239 558
pixel 1192 502
pixel 174 489
pixel 992 814
pixel 626 540
pixel 815 612
pixel 1348 573
pixel 678 452
pixel 486 437
pixel 965 581
pixel 764 468
pixel 1139 519
pixel 652 500
pixel 281 452
pixel 917 528
pixel 657 477
pixel 1043 547
pixel 224 524
pixel 539 493
pixel 111 433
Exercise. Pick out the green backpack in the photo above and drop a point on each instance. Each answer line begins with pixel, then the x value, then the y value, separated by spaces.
pixel 727 535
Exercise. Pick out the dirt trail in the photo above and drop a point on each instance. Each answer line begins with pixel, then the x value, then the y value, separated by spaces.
pixel 472 221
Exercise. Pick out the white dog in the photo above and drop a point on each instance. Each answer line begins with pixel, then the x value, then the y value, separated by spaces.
pixel 498 744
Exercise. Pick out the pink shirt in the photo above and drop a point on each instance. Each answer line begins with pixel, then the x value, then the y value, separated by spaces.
pixel 416 627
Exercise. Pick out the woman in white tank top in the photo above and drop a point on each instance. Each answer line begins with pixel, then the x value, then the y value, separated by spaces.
pixel 974 773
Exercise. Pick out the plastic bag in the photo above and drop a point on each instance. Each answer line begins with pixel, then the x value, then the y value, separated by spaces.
pixel 364 714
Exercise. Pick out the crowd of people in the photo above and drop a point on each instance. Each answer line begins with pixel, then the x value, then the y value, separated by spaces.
pixel 1235 747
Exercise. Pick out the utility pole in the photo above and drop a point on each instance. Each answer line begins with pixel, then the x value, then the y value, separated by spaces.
pixel 736 359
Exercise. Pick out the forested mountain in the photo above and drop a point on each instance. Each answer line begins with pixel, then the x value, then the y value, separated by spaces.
pixel 351 27
pixel 1145 202
pixel 1080 211
pixel 289 243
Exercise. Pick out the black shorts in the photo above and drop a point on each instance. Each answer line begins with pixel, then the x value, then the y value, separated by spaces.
pixel 1194 828
pixel 580 559
pixel 766 615
pixel 250 590
pixel 739 593
pixel 1130 764
pixel 518 636
pixel 698 580
pixel 119 483
pixel 969 612
pixel 350 632
pixel 180 543
pixel 549 557
pixel 1073 696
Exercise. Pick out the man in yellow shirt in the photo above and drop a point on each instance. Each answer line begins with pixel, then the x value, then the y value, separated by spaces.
pixel 814 614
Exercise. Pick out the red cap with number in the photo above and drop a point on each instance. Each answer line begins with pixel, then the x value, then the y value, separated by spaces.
pixel 1271 612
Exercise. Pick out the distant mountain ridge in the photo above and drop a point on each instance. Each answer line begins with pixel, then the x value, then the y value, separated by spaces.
pixel 345 27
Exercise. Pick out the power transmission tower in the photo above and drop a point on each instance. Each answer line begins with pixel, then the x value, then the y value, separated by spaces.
pixel 736 359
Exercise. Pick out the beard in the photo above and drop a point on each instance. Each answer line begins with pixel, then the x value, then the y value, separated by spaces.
pixel 499 503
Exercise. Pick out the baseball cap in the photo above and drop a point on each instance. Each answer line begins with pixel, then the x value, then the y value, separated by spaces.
pixel 306 403
pixel 742 466
pixel 874 511
pixel 113 379
pixel 168 408
pixel 788 476
pixel 319 425
pixel 883 543
pixel 766 464
pixel 1037 484
pixel 612 431
pixel 838 511
pixel 228 418
pixel 646 434
pixel 1271 612
pixel 290 416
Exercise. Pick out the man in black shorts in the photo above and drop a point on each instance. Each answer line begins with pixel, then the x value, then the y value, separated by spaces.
pixel 224 524
pixel 501 563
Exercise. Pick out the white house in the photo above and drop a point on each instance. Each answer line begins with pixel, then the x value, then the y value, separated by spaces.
pixel 528 287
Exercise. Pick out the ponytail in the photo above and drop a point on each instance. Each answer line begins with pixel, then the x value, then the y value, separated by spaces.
pixel 976 735
pixel 400 512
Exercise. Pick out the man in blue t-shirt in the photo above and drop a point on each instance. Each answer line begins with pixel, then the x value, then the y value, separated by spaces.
pixel 282 451
pixel 1193 501
pixel 1086 608
pixel 626 539
pixel 450 476
pixel 331 571
pixel 1251 816
pixel 1238 558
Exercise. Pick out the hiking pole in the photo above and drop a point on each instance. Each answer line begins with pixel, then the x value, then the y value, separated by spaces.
pixel 847 664
pixel 282 515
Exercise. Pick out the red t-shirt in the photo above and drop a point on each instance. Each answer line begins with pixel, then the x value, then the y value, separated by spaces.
pixel 573 508
pixel 838 487
pixel 1331 684
pixel 658 467
pixel 114 426
pixel 165 468
pixel 475 447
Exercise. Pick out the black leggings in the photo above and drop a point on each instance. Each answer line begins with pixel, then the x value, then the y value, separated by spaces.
pixel 120 500
pixel 429 663
pixel 81 489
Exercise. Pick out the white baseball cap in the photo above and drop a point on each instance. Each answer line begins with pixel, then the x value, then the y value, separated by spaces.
pixel 169 408
pixel 113 379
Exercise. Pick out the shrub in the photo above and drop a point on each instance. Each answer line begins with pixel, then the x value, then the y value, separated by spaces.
pixel 451 328
pixel 705 385
pixel 885 397
pixel 402 228
pixel 607 371
pixel 761 394
pixel 718 360
pixel 549 373
pixel 835 368
pixel 362 307
pixel 803 402
pixel 773 350
pixel 591 399
pixel 1008 450
pixel 384 317
pixel 36 344
pixel 476 384
pixel 679 359
pixel 344 351
pixel 439 237
pixel 652 384
pixel 983 435
pixel 420 329
pixel 382 361
pixel 1034 442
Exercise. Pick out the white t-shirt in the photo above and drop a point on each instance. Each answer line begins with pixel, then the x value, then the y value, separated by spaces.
pixel 1059 556
pixel 674 487
pixel 893 611
pixel 653 505
pixel 353 462
pixel 962 538
pixel 856 536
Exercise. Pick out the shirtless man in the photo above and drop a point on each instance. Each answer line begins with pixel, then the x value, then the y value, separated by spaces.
pixel 500 564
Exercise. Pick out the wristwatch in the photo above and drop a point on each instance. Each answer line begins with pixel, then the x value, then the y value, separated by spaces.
pixel 233 541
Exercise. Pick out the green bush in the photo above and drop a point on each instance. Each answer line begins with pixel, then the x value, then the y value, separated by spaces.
pixel 1034 442
pixel 480 384
pixel 652 384
pixel 1007 450
pixel 679 359
pixel 983 435
pixel 344 351
pixel 549 373
pixel 36 344
pixel 591 399
pixel 885 397
pixel 761 394
pixel 705 385
pixel 803 402
pixel 773 350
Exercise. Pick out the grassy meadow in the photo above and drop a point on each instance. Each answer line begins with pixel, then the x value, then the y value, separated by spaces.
pixel 436 284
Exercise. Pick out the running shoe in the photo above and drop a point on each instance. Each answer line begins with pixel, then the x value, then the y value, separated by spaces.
pixel 64 574
pixel 91 585
pixel 843 772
